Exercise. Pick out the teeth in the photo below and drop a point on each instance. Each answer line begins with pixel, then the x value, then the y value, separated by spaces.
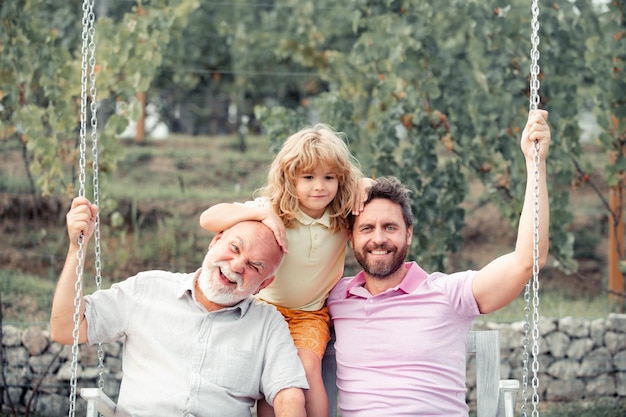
pixel 379 252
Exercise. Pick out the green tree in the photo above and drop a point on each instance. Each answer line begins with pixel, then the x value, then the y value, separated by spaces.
pixel 40 78
pixel 436 93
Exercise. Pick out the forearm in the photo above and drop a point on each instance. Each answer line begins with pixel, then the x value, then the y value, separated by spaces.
pixel 224 215
pixel 63 308
pixel 289 402
pixel 499 282
pixel 525 234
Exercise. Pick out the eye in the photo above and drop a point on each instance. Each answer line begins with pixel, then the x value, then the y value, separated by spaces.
pixel 234 247
pixel 330 177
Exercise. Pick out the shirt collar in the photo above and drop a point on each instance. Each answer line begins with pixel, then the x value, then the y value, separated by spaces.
pixel 308 220
pixel 187 288
pixel 413 278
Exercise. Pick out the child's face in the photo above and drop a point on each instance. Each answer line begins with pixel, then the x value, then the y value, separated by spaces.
pixel 315 190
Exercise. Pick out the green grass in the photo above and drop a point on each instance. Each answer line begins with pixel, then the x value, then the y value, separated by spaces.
pixel 27 297
pixel 553 304
pixel 190 168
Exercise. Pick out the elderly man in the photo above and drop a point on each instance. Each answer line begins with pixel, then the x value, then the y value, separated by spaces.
pixel 196 344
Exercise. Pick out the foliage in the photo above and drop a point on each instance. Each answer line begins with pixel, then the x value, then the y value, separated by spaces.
pixel 435 98
pixel 40 78
pixel 432 92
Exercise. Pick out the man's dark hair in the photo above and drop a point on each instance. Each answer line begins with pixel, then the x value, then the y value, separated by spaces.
pixel 390 188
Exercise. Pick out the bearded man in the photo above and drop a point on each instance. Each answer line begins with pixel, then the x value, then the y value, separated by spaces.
pixel 195 344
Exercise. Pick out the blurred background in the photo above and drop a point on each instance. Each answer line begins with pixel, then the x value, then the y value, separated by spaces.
pixel 188 100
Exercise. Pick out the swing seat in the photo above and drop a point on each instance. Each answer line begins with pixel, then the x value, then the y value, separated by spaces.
pixel 494 397
pixel 98 403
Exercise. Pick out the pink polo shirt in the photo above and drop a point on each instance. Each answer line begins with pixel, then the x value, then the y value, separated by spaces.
pixel 403 352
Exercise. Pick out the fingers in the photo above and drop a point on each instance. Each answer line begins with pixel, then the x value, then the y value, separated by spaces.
pixel 282 240
pixel 81 218
pixel 362 194
pixel 536 130
pixel 358 207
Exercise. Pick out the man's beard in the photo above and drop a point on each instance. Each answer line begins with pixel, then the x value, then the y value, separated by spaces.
pixel 380 269
pixel 216 292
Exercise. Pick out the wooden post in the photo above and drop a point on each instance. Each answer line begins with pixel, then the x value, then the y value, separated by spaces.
pixel 141 123
pixel 616 248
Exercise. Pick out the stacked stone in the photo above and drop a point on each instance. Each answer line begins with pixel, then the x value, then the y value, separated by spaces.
pixel 579 360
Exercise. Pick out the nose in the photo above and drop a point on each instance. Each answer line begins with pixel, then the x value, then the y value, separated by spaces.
pixel 318 184
pixel 237 265
pixel 379 237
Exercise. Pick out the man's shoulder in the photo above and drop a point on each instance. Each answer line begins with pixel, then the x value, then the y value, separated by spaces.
pixel 340 289
pixel 156 280
pixel 261 308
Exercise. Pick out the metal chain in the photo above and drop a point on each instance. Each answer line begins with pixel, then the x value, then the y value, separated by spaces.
pixel 95 170
pixel 533 285
pixel 87 31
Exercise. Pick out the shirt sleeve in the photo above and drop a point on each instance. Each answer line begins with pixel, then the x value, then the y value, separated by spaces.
pixel 458 286
pixel 107 312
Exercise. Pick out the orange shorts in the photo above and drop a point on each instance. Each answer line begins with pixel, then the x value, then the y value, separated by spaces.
pixel 309 329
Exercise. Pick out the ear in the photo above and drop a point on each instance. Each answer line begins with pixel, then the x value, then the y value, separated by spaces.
pixel 215 239
pixel 265 283
pixel 350 241
pixel 409 236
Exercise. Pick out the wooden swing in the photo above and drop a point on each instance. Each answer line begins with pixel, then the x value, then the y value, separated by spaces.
pixel 495 397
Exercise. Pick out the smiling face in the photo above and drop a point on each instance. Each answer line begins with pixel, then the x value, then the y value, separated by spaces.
pixel 240 262
pixel 315 190
pixel 380 240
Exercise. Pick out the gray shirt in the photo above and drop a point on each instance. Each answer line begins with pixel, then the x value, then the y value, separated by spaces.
pixel 181 360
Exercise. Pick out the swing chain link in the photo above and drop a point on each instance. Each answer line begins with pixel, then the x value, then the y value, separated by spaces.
pixel 87 39
pixel 534 57
pixel 95 170
pixel 534 285
pixel 75 333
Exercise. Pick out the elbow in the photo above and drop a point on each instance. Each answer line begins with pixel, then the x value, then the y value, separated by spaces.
pixel 60 333
pixel 58 337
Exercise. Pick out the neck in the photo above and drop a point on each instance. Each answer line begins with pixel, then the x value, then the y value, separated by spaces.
pixel 377 285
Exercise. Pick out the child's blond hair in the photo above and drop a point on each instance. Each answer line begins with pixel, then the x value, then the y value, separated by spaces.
pixel 304 151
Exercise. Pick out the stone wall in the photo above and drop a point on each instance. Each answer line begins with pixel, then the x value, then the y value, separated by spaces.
pixel 578 360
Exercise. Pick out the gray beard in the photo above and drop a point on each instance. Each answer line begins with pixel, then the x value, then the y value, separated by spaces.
pixel 212 291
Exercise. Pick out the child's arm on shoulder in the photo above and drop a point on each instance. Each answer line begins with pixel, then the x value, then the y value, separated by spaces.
pixel 221 216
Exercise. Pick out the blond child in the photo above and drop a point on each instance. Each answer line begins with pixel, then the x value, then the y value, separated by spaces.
pixel 313 184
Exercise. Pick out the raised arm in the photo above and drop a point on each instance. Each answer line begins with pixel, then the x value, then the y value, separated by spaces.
pixel 80 218
pixel 503 279
pixel 221 216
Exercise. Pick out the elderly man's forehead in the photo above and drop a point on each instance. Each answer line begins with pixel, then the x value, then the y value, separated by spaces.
pixel 254 234
pixel 250 229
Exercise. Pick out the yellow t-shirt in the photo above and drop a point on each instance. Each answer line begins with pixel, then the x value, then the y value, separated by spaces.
pixel 313 265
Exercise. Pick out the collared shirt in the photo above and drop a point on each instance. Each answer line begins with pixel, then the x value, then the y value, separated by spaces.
pixel 313 265
pixel 181 360
pixel 403 352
